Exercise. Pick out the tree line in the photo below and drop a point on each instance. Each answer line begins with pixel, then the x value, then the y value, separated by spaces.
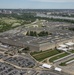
pixel 34 33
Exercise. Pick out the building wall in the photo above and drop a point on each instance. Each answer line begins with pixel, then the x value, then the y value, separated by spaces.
pixel 33 47
pixel 38 47
pixel 46 46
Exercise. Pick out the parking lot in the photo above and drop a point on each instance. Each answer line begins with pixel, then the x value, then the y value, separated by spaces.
pixel 51 72
pixel 23 62
pixel 69 68
pixel 6 69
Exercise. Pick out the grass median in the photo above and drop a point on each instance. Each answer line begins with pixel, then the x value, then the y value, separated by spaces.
pixel 64 63
pixel 72 51
pixel 58 57
pixel 44 54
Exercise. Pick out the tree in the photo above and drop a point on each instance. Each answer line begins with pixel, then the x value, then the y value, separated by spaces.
pixel 31 33
pixel 43 33
pixel 27 33
pixel 25 50
pixel 35 33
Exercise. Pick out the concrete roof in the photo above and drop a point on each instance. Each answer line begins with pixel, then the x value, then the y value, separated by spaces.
pixel 46 65
pixel 61 48
pixel 70 43
pixel 62 45
pixel 58 69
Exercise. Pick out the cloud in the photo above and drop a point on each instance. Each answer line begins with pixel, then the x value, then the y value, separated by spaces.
pixel 53 0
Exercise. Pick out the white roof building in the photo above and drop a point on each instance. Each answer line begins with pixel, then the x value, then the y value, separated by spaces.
pixel 61 48
pixel 65 49
pixel 66 46
pixel 70 43
pixel 58 69
pixel 4 46
pixel 63 45
pixel 46 66
pixel 35 25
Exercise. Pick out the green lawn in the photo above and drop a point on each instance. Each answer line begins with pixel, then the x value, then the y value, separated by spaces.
pixel 72 51
pixel 42 55
pixel 58 57
pixel 62 64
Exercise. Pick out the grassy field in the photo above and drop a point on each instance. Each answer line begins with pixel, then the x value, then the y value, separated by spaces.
pixel 42 55
pixel 72 51
pixel 9 23
pixel 58 57
pixel 39 23
pixel 63 64
pixel 9 20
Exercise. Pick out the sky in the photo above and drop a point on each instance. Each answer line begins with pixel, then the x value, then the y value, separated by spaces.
pixel 37 4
